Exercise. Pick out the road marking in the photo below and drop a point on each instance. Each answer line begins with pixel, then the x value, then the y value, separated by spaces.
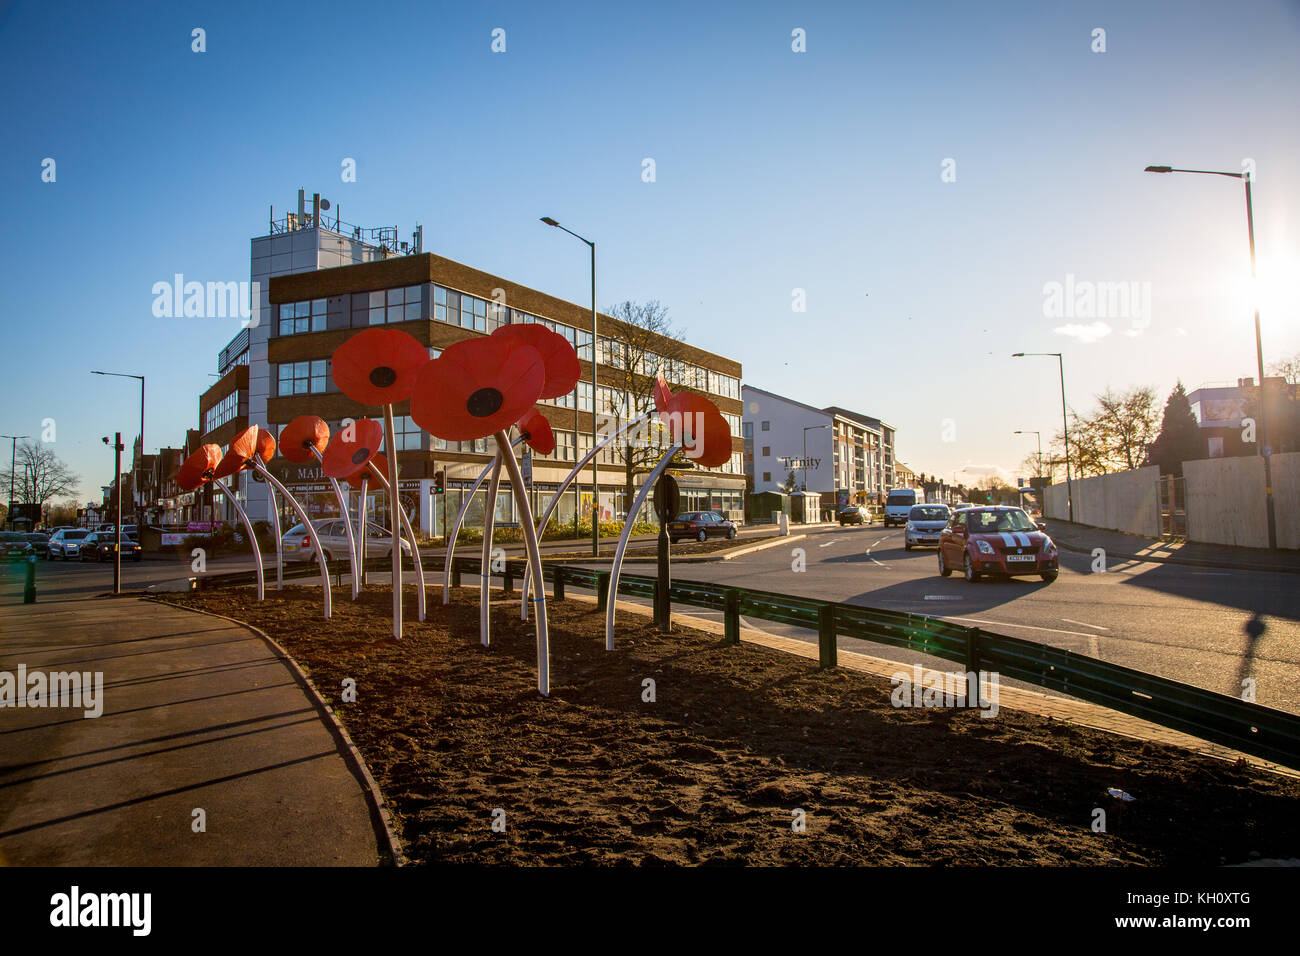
pixel 870 555
pixel 826 545
pixel 943 597
pixel 1032 627
pixel 1085 624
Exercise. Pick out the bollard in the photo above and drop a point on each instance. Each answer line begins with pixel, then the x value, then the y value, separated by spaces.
pixel 558 590
pixel 508 579
pixel 972 667
pixel 826 650
pixel 731 618
pixel 455 575
pixel 29 590
pixel 602 590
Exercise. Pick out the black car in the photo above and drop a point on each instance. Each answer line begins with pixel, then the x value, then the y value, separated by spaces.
pixel 40 543
pixel 852 514
pixel 14 546
pixel 99 547
pixel 700 525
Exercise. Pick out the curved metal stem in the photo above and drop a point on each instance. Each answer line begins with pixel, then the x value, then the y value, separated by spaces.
pixel 394 480
pixel 410 533
pixel 361 529
pixel 279 543
pixel 248 526
pixel 454 530
pixel 611 601
pixel 535 559
pixel 311 531
pixel 555 500
pixel 347 523
pixel 485 566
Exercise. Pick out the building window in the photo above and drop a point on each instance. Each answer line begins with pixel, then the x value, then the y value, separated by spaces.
pixel 385 306
pixel 734 422
pixel 748 430
pixel 564 446
pixel 584 396
pixel 298 317
pixel 222 412
pixel 406 434
pixel 767 451
pixel 473 313
pixel 766 426
pixel 303 378
pixel 767 476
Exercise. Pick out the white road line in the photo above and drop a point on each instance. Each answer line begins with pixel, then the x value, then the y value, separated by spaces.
pixel 1031 627
pixel 1085 624
pixel 869 554
pixel 826 545
pixel 943 597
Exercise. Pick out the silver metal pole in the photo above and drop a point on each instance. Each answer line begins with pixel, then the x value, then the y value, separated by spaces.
pixel 311 531
pixel 455 529
pixel 410 533
pixel 485 567
pixel 535 559
pixel 248 526
pixel 347 523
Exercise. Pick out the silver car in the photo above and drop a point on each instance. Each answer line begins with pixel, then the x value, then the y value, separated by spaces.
pixel 296 543
pixel 66 544
pixel 924 522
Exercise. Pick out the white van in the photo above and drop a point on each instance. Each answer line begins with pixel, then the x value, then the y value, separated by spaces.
pixel 899 504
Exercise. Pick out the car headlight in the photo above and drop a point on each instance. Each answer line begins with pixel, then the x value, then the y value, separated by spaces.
pixel 910 526
pixel 1049 547
pixel 984 546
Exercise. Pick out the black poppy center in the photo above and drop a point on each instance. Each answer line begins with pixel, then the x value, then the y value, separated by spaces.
pixel 484 402
pixel 382 377
pixel 360 455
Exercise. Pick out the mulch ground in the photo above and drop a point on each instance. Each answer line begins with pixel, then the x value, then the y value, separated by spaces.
pixel 736 741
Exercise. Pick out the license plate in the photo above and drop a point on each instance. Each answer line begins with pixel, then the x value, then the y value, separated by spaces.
pixel 1021 558
pixel 291 547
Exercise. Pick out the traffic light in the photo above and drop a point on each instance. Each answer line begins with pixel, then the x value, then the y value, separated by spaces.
pixel 440 481
pixel 990 497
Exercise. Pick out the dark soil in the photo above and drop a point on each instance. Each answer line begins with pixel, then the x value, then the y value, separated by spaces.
pixel 737 740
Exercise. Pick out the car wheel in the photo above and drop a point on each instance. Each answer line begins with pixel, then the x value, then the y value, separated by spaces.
pixel 731 533
pixel 971 574
pixel 702 536
pixel 943 568
pixel 907 546
pixel 1049 576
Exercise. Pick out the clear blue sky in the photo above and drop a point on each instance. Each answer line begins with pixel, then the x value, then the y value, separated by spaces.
pixel 775 170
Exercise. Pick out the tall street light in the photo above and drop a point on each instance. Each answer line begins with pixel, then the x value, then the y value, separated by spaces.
pixel 595 475
pixel 13 462
pixel 1065 425
pixel 1040 446
pixel 1262 436
pixel 139 520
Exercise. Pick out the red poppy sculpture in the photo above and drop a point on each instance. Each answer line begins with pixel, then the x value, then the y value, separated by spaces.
pixel 303 440
pixel 382 367
pixel 697 429
pixel 208 466
pixel 537 433
pixel 353 452
pixel 480 387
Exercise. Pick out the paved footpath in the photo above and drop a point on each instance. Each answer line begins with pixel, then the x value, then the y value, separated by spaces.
pixel 198 714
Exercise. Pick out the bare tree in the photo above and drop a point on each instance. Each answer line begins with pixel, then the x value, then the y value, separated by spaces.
pixel 1127 423
pixel 39 475
pixel 645 344
pixel 1288 368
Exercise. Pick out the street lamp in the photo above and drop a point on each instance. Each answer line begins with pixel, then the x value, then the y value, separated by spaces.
pixel 13 461
pixel 1065 424
pixel 1259 348
pixel 595 479
pixel 139 522
pixel 1040 445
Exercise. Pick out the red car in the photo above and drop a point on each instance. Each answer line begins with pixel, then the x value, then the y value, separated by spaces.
pixel 996 540
pixel 700 525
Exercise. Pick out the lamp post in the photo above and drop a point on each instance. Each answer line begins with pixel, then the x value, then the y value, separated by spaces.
pixel 1262 435
pixel 1028 431
pixel 595 341
pixel 1065 425
pixel 139 521
pixel 13 463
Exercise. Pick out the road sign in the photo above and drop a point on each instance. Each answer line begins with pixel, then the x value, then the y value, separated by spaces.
pixel 666 497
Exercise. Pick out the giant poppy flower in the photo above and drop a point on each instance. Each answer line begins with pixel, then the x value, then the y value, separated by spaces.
pixel 350 449
pixel 198 468
pixel 478 387
pixel 695 422
pixel 379 462
pixel 562 368
pixel 537 433
pixel 242 448
pixel 378 366
pixel 302 434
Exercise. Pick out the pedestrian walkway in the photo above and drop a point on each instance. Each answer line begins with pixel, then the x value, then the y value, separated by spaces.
pixel 209 750
pixel 1120 546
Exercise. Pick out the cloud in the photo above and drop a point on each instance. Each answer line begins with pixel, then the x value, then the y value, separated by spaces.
pixel 1092 332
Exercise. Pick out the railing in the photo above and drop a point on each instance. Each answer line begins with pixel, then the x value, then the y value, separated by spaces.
pixel 1250 728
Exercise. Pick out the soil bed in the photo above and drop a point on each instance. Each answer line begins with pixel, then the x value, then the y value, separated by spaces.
pixel 737 740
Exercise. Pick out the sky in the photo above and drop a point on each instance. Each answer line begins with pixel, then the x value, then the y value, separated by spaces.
pixel 917 177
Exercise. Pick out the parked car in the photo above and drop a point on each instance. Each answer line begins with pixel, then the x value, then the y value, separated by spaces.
pixel 14 546
pixel 99 547
pixel 997 539
pixel 297 547
pixel 66 544
pixel 924 524
pixel 40 542
pixel 898 504
pixel 853 514
pixel 700 525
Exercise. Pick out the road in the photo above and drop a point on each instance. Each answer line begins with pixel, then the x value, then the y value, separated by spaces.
pixel 1188 624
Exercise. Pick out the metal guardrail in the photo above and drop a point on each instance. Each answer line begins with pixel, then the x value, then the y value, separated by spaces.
pixel 1247 727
